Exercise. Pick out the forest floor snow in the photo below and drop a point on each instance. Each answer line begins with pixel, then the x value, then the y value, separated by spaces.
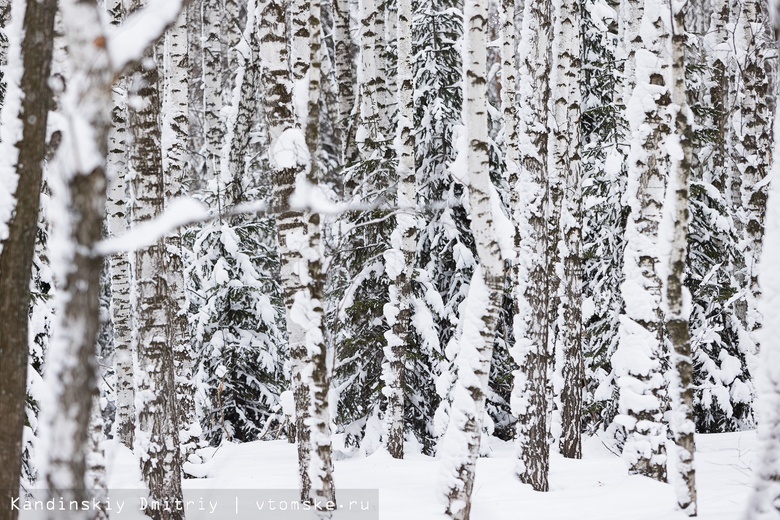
pixel 594 488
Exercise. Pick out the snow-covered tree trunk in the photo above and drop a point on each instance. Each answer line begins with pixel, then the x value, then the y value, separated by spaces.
pixel 529 274
pixel 157 420
pixel 639 361
pixel 70 374
pixel 291 226
pixel 460 448
pixel 175 162
pixel 763 501
pixel 211 74
pixel 565 152
pixel 22 151
pixel 400 260
pixel 309 304
pixel 96 461
pixel 676 297
pixel 345 78
pixel 368 133
pixel 71 366
pixel 244 104
pixel 751 122
pixel 118 208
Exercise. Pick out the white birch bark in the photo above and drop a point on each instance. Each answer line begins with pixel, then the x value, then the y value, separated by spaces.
pixel 400 259
pixel 639 359
pixel 368 133
pixel 118 208
pixel 751 122
pixel 157 421
pixel 565 159
pixel 175 162
pixel 291 227
pixel 86 106
pixel 462 439
pixel 71 365
pixel 310 302
pixel 676 296
pixel 529 276
pixel 344 71
pixel 763 500
pixel 211 78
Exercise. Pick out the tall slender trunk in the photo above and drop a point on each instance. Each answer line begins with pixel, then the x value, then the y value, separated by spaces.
pixel 529 282
pixel 400 260
pixel 212 84
pixel 311 302
pixel 24 118
pixel 565 150
pixel 676 216
pixel 639 361
pixel 175 162
pixel 345 78
pixel 463 436
pixel 281 121
pixel 71 365
pixel 118 208
pixel 157 420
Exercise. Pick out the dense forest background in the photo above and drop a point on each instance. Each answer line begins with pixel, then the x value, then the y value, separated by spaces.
pixel 408 224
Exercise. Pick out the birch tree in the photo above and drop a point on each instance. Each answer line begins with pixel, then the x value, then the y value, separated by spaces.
pixel 677 311
pixel 565 159
pixel 174 138
pixel 481 309
pixel 400 260
pixel 529 273
pixel 639 359
pixel 118 208
pixel 70 374
pixel 157 420
pixel 751 141
pixel 23 123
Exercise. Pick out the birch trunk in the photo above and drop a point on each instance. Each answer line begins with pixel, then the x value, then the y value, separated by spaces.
pixel 71 371
pixel 368 133
pixel 281 122
pixel 529 282
pixel 310 303
pixel 639 359
pixel 400 260
pixel 752 142
pixel 157 419
pixel 71 366
pixel 118 208
pixel 565 159
pixel 462 439
pixel 175 159
pixel 23 148
pixel 345 78
pixel 211 67
pixel 676 216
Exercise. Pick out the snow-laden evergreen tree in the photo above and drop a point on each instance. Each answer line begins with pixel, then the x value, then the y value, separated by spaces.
pixel 446 247
pixel 604 215
pixel 640 361
pixel 23 122
pixel 723 389
pixel 482 307
pixel 530 270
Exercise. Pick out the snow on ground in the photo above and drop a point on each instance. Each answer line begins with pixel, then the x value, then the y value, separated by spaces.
pixel 595 488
